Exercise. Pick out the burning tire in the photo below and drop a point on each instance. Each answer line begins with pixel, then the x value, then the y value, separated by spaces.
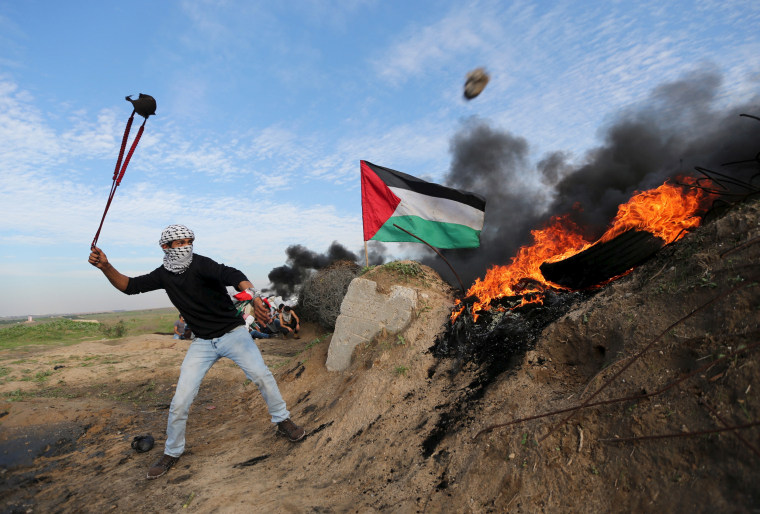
pixel 603 261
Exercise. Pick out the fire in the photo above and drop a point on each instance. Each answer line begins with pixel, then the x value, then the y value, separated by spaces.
pixel 668 212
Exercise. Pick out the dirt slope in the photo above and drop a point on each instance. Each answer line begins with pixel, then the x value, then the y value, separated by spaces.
pixel 402 431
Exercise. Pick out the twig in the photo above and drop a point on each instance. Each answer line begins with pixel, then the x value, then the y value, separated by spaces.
pixel 661 270
pixel 679 434
pixel 607 369
pixel 737 248
pixel 580 438
pixel 461 285
pixel 625 398
pixel 725 424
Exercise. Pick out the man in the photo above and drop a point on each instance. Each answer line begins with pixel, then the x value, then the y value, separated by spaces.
pixel 179 328
pixel 196 285
pixel 289 322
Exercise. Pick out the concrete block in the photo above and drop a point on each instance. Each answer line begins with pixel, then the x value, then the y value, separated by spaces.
pixel 364 313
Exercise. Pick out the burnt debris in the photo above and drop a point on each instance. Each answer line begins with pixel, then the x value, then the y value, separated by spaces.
pixel 495 342
pixel 504 332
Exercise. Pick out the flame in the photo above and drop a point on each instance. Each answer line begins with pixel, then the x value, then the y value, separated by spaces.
pixel 668 212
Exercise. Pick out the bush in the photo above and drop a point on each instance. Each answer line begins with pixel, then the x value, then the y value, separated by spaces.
pixel 323 292
pixel 114 331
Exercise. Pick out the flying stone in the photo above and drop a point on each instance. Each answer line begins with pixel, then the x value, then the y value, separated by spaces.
pixel 475 83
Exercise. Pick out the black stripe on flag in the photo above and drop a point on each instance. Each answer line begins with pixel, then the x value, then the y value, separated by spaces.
pixel 393 178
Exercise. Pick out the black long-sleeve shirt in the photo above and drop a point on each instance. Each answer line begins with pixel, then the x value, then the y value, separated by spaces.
pixel 199 294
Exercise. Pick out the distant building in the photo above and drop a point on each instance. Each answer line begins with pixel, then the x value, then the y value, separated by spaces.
pixel 29 320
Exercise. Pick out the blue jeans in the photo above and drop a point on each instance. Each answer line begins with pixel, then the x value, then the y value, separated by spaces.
pixel 236 345
pixel 259 335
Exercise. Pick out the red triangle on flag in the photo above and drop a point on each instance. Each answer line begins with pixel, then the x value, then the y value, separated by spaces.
pixel 378 201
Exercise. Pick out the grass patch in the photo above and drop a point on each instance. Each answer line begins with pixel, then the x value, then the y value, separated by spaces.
pixel 407 269
pixel 55 392
pixel 59 331
pixel 66 331
pixel 15 396
pixel 314 343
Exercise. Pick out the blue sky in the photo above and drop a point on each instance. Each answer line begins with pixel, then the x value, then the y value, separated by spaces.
pixel 266 108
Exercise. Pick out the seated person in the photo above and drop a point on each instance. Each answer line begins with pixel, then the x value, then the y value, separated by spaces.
pixel 276 317
pixel 289 322
pixel 254 329
pixel 179 328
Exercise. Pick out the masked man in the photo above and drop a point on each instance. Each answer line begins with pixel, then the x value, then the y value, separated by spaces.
pixel 196 285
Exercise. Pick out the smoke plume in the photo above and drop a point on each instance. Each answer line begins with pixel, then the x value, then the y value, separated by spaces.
pixel 301 262
pixel 682 125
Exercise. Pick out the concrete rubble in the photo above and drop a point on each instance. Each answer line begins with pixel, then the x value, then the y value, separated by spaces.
pixel 364 313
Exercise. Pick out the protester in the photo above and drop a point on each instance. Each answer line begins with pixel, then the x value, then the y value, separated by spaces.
pixel 276 323
pixel 289 322
pixel 179 328
pixel 197 286
pixel 258 328
pixel 255 329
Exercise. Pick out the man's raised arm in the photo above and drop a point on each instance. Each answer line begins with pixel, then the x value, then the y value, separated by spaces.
pixel 100 261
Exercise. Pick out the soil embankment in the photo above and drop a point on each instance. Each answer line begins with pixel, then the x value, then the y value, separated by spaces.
pixel 403 431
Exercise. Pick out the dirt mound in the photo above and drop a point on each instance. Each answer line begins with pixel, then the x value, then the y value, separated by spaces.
pixel 403 431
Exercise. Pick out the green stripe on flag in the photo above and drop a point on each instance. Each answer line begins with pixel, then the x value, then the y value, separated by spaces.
pixel 437 234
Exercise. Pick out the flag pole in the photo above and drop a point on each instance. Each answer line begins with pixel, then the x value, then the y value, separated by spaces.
pixel 366 255
pixel 436 251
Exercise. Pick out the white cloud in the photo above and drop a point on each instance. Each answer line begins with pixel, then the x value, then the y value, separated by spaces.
pixel 424 47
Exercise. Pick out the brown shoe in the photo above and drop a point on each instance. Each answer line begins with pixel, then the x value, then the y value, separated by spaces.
pixel 161 466
pixel 290 430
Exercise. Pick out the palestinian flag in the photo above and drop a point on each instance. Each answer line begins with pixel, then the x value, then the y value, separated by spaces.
pixel 444 217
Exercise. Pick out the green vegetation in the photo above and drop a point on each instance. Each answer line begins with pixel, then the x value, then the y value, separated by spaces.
pixel 707 281
pixel 66 331
pixel 115 331
pixel 311 345
pixel 408 269
pixel 315 342
pixel 14 396
pixel 149 392
pixel 400 370
pixel 60 331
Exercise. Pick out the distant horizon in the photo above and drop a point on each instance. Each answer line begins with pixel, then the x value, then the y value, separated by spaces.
pixel 81 313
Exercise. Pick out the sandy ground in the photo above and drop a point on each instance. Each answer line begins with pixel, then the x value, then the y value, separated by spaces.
pixel 404 431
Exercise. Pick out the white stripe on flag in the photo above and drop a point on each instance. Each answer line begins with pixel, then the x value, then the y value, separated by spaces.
pixel 437 209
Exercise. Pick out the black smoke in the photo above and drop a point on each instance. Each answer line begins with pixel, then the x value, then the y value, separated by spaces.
pixel 301 262
pixel 680 126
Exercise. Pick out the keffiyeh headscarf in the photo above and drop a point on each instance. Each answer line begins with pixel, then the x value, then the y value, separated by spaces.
pixel 177 260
